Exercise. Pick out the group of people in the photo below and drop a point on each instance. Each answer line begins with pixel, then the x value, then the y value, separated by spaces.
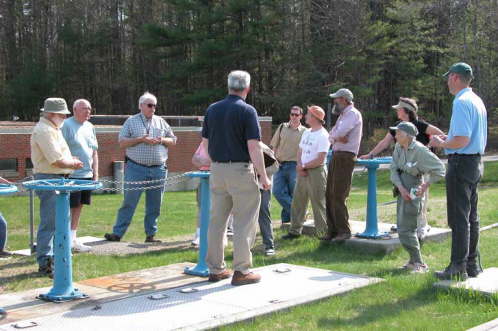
pixel 67 148
pixel 241 170
pixel 232 134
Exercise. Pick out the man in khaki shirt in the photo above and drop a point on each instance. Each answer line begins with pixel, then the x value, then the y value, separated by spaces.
pixel 285 144
pixel 51 159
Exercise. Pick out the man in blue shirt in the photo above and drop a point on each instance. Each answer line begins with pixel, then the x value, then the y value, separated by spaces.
pixel 465 144
pixel 80 136
pixel 232 136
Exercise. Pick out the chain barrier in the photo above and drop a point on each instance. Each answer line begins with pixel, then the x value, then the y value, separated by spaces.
pixel 119 186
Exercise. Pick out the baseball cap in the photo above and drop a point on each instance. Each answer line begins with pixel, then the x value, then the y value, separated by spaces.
pixel 461 68
pixel 406 127
pixel 343 92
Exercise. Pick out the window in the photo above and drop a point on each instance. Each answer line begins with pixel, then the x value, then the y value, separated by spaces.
pixel 8 168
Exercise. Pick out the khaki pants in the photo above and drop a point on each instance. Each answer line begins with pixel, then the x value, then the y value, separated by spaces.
pixel 233 188
pixel 311 187
pixel 338 186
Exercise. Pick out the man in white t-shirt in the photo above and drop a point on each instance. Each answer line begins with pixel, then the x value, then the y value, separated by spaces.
pixel 311 175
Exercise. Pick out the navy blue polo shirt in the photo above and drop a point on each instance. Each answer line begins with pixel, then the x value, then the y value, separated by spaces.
pixel 228 125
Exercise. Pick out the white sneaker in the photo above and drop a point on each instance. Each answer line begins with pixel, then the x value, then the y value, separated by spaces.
pixel 269 252
pixel 79 247
pixel 197 238
pixel 420 268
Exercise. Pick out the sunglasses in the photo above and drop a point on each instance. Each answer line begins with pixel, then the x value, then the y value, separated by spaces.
pixel 151 105
pixel 295 115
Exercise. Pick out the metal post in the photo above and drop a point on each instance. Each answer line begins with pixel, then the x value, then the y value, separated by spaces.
pixel 32 221
pixel 63 277
pixel 201 269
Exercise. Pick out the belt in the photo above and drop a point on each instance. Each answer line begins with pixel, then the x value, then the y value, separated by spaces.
pixel 232 161
pixel 463 155
pixel 58 175
pixel 283 162
pixel 143 165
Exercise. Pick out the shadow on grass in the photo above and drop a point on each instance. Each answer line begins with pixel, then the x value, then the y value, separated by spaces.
pixel 373 313
pixel 17 264
pixel 21 277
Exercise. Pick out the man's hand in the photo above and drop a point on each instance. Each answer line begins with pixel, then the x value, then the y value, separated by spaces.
pixel 342 140
pixel 77 164
pixel 404 194
pixel 265 182
pixel 437 141
pixel 95 177
pixel 422 189
pixel 366 156
pixel 151 141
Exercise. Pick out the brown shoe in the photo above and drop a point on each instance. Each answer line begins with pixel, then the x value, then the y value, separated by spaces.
pixel 222 275
pixel 340 238
pixel 240 279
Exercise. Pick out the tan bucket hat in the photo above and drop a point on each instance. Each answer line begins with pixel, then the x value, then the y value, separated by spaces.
pixel 55 105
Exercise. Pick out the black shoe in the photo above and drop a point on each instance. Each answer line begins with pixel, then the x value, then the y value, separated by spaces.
pixel 452 272
pixel 150 239
pixel 290 236
pixel 47 269
pixel 112 237
pixel 473 269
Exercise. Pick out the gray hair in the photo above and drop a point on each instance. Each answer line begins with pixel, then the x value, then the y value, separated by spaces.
pixel 77 102
pixel 147 96
pixel 238 80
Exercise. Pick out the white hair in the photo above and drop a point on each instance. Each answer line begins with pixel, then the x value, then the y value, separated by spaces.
pixel 77 102
pixel 146 96
pixel 238 80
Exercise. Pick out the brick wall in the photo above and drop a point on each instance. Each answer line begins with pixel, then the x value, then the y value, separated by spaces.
pixel 15 143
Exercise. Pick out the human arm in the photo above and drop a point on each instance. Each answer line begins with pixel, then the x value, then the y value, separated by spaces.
pixel 429 163
pixel 344 125
pixel 433 130
pixel 381 146
pixel 395 175
pixel 256 154
pixel 316 162
pixel 456 142
pixel 201 158
pixel 95 165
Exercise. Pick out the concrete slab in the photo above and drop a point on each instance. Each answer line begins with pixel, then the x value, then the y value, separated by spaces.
pixel 22 305
pixel 489 326
pixel 205 305
pixel 485 283
pixel 383 245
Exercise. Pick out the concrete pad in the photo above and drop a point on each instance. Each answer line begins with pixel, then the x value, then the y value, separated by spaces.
pixel 485 283
pixel 382 245
pixel 489 326
pixel 205 305
pixel 22 305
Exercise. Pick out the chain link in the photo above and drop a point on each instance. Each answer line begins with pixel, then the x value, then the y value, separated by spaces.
pixel 122 185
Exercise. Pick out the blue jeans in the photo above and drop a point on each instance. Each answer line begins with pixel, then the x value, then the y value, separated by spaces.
pixel 264 219
pixel 46 228
pixel 284 181
pixel 3 232
pixel 153 197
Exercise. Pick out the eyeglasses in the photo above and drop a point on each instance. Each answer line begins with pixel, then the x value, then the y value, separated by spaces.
pixel 151 105
pixel 295 115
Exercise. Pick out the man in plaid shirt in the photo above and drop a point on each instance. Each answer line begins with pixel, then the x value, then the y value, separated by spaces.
pixel 146 138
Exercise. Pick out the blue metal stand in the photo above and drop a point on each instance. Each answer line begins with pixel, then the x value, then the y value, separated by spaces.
pixel 6 189
pixel 62 289
pixel 372 229
pixel 201 269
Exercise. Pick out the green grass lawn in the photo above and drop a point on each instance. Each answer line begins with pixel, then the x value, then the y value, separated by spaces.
pixel 403 301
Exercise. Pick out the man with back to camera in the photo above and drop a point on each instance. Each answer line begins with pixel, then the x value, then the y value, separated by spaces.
pixel 232 135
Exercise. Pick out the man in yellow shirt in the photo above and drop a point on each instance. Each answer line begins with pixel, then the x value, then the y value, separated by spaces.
pixel 51 159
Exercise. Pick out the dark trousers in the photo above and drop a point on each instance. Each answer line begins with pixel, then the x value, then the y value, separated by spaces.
pixel 464 173
pixel 338 186
pixel 264 219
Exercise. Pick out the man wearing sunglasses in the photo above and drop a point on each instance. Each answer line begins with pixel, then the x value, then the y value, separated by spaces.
pixel 146 138
pixel 285 143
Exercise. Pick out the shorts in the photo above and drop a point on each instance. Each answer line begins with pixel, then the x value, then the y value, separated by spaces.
pixel 78 198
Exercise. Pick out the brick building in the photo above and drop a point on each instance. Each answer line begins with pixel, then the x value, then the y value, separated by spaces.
pixel 15 158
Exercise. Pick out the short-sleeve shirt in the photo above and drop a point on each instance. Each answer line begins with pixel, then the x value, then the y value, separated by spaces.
pixel 312 143
pixel 228 125
pixel 82 142
pixel 468 119
pixel 48 146
pixel 421 126
pixel 138 126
